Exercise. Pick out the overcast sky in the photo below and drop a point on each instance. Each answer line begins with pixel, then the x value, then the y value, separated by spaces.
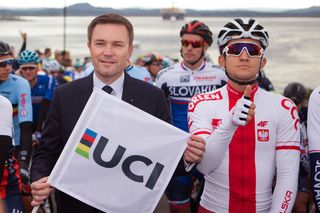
pixel 192 4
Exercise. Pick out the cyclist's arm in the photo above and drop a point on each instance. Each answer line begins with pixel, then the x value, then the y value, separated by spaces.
pixel 217 145
pixel 217 141
pixel 25 120
pixel 44 107
pixel 287 163
pixel 24 41
pixel 314 144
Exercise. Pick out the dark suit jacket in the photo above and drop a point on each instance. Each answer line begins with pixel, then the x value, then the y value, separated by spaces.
pixel 68 102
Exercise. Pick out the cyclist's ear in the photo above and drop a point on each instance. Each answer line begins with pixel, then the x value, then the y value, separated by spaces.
pixel 263 62
pixel 222 61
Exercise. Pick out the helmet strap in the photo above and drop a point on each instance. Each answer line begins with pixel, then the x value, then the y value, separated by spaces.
pixel 201 56
pixel 196 61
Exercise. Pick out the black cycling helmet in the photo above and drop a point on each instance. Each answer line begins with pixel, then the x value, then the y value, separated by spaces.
pixel 243 28
pixel 295 91
pixel 5 49
pixel 198 28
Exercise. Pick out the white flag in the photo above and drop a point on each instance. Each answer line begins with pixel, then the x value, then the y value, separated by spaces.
pixel 118 158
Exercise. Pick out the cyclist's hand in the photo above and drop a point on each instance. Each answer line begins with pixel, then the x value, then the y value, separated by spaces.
pixel 243 111
pixel 195 149
pixel 40 191
pixel 23 35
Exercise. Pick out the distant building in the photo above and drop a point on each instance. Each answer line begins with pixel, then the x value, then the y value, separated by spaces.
pixel 167 13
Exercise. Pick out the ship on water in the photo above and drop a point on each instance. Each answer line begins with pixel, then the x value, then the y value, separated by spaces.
pixel 168 13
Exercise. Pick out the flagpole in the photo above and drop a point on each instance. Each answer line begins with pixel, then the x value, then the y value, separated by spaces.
pixel 64 25
pixel 35 209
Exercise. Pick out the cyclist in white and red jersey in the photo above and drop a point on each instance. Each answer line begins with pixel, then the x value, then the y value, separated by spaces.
pixel 180 82
pixel 249 132
pixel 314 144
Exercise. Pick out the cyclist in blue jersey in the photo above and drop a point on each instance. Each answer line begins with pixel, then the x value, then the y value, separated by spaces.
pixel 42 87
pixel 17 90
pixel 54 69
pixel 140 73
pixel 134 71
pixel 182 81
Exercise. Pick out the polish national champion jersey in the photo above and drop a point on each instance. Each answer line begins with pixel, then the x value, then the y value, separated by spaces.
pixel 180 84
pixel 17 90
pixel 43 89
pixel 242 169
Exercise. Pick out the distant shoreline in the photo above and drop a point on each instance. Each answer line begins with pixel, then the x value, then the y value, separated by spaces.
pixel 85 9
pixel 10 18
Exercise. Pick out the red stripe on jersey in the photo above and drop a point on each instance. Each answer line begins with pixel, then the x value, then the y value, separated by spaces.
pixel 288 147
pixel 242 170
pixel 202 132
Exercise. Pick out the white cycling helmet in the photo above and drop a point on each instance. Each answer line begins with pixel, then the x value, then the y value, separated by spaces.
pixel 52 65
pixel 243 28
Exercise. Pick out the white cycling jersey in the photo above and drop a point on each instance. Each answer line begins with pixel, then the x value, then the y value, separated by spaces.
pixel 240 162
pixel 5 117
pixel 314 144
pixel 179 84
pixel 314 121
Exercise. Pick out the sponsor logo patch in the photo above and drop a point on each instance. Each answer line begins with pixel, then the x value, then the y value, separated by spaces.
pixel 203 97
pixel 185 78
pixel 23 113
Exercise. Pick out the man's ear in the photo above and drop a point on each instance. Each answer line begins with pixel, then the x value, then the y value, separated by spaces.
pixel 130 51
pixel 206 46
pixel 263 62
pixel 222 61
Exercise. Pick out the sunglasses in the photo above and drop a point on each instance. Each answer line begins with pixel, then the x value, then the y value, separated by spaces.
pixel 194 44
pixel 156 63
pixel 6 62
pixel 236 49
pixel 28 68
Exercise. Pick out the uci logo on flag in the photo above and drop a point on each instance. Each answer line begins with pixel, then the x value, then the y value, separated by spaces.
pixel 84 147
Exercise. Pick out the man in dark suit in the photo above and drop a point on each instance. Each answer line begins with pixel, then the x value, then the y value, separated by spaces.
pixel 110 40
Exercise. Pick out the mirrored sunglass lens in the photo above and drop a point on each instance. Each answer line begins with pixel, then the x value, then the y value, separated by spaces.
pixel 28 68
pixel 236 49
pixel 194 44
pixel 5 63
pixel 254 50
pixel 156 63
pixel 197 44
pixel 184 43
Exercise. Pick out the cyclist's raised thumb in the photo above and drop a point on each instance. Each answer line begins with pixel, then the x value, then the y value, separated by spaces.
pixel 247 92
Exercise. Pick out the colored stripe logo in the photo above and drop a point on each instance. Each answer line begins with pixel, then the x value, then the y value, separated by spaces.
pixel 86 142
